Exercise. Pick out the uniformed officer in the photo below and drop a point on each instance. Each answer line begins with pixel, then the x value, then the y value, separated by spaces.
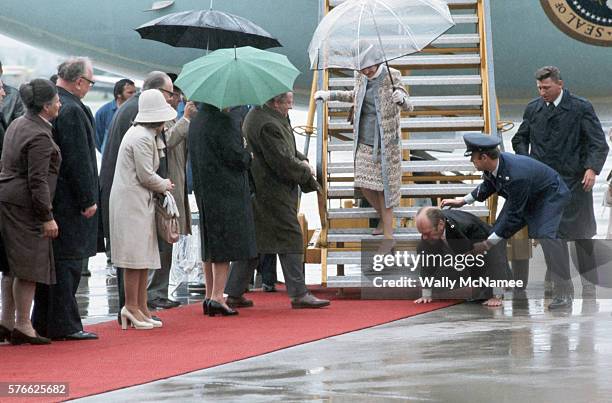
pixel 535 196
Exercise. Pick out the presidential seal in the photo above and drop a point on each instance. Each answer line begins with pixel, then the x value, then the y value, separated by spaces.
pixel 589 21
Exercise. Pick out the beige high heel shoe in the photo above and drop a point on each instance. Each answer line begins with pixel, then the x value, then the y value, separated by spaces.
pixel 137 324
pixel 155 323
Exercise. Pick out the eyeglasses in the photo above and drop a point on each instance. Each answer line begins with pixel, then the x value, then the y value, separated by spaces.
pixel 91 83
pixel 170 93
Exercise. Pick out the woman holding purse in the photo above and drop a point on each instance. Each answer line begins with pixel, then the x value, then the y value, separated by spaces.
pixel 132 224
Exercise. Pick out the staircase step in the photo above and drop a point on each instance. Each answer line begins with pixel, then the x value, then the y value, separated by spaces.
pixel 344 281
pixel 422 123
pixel 437 60
pixel 411 166
pixel 365 234
pixel 417 80
pixel 414 190
pixel 344 257
pixel 412 144
pixel 429 101
pixel 400 212
pixel 445 39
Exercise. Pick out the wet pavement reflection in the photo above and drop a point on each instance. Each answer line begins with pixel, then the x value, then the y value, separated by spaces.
pixel 465 353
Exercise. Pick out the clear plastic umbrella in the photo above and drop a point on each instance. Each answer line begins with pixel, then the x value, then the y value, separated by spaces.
pixel 361 33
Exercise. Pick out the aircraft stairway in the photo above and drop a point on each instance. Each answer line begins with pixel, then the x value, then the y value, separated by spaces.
pixel 451 84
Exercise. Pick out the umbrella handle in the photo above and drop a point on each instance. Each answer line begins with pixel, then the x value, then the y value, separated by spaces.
pixel 389 72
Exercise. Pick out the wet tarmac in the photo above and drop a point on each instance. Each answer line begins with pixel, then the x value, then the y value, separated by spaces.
pixel 465 353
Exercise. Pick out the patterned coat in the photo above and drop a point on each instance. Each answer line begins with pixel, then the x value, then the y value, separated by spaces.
pixel 388 116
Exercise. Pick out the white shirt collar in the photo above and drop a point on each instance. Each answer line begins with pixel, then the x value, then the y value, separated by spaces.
pixel 557 101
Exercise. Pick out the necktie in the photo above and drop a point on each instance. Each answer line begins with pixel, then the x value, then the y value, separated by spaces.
pixel 551 108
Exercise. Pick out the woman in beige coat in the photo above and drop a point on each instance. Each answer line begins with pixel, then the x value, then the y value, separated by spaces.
pixel 132 206
pixel 377 144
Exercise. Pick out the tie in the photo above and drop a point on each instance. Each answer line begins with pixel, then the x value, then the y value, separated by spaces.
pixel 551 108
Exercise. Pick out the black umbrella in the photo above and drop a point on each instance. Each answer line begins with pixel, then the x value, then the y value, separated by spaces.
pixel 207 29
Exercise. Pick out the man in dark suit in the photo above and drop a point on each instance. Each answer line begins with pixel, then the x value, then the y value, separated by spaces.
pixel 455 232
pixel 562 131
pixel 12 106
pixel 56 312
pixel 535 196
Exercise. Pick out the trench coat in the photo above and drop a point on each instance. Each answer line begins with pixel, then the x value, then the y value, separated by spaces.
pixel 176 157
pixel 570 140
pixel 278 169
pixel 30 166
pixel 388 117
pixel 120 124
pixel 77 185
pixel 220 164
pixel 133 231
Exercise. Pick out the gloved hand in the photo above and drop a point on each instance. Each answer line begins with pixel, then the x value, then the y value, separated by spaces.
pixel 399 97
pixel 321 96
pixel 170 205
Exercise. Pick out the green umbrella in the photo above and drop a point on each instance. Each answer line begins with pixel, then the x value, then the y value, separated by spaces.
pixel 238 76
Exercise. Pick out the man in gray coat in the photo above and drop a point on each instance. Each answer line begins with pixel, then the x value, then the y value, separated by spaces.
pixel 277 169
pixel 12 107
pixel 562 131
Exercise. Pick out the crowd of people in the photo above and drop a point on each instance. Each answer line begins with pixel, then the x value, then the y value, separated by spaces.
pixel 56 211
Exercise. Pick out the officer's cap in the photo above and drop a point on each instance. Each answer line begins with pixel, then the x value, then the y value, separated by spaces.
pixel 476 142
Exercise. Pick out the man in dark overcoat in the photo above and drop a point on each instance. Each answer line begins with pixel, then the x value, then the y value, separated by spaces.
pixel 455 232
pixel 56 312
pixel 278 169
pixel 535 196
pixel 120 124
pixel 12 106
pixel 563 131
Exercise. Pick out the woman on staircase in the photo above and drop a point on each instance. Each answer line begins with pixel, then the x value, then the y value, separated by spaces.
pixel 377 154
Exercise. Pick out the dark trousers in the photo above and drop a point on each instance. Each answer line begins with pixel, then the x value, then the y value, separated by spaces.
pixel 556 254
pixel 56 311
pixel 267 268
pixel 157 286
pixel 291 263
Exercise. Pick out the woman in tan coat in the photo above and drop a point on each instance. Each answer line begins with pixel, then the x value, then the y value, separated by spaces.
pixel 30 165
pixel 377 141
pixel 132 206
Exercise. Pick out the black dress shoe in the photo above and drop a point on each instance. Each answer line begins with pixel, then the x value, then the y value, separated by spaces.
pixel 80 335
pixel 162 303
pixel 562 302
pixel 216 308
pixel 238 302
pixel 5 334
pixel 18 338
pixel 308 301
pixel 268 288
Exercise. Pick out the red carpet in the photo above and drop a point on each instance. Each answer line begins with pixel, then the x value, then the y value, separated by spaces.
pixel 189 341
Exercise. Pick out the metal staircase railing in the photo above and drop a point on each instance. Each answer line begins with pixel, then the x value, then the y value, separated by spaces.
pixel 452 87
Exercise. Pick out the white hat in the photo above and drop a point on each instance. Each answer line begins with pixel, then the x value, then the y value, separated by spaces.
pixel 152 107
